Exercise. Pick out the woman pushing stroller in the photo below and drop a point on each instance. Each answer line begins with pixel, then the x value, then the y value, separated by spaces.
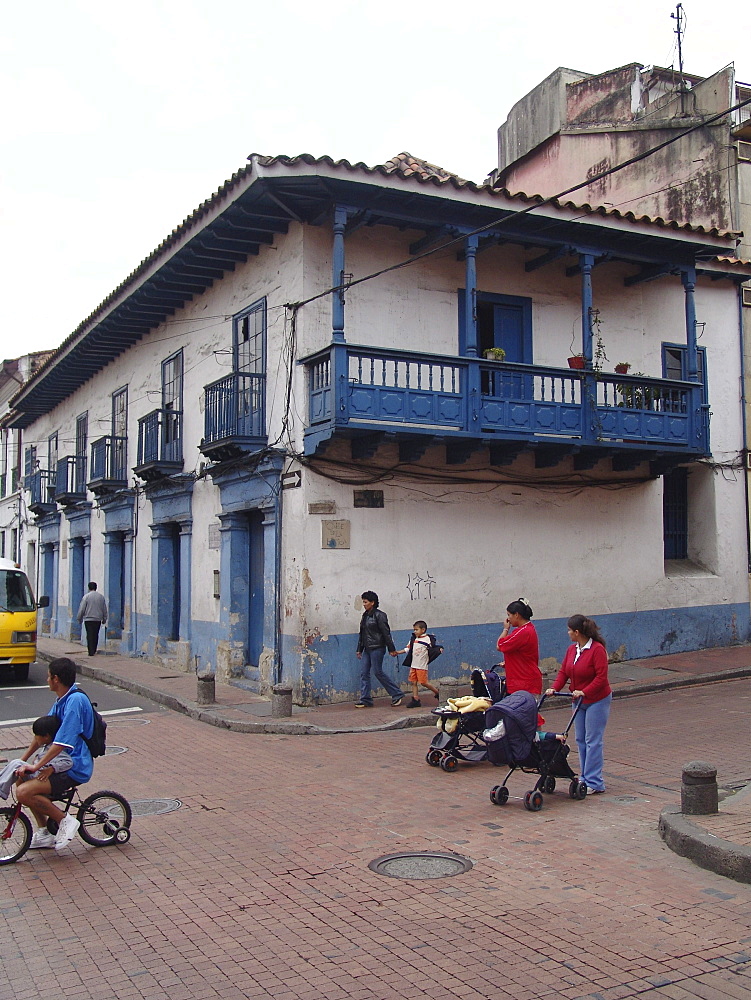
pixel 585 667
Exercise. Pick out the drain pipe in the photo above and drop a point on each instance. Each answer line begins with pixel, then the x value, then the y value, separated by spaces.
pixel 278 669
pixel 744 419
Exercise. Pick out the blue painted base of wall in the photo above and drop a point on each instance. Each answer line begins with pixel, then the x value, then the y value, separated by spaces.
pixel 329 670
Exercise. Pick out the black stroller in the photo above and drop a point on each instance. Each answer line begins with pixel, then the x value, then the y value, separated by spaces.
pixel 460 735
pixel 515 745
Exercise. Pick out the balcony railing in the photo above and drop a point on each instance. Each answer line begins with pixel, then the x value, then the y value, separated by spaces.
pixel 41 486
pixel 70 484
pixel 234 416
pixel 108 464
pixel 160 444
pixel 370 390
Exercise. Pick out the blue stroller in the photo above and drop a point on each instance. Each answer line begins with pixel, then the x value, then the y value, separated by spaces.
pixel 460 735
pixel 515 746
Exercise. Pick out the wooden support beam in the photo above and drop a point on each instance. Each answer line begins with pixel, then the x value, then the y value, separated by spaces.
pixel 547 258
pixel 366 445
pixel 649 273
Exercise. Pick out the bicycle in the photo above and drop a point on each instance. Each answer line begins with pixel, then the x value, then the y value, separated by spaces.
pixel 104 819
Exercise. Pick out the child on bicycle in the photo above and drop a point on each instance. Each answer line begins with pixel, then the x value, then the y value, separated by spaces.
pixel 44 730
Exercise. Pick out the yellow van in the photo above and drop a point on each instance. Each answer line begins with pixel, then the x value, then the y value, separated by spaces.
pixel 18 620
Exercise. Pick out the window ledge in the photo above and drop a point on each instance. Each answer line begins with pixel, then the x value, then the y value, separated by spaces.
pixel 684 567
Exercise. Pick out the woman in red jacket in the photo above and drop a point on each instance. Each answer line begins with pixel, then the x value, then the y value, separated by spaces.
pixel 518 643
pixel 585 667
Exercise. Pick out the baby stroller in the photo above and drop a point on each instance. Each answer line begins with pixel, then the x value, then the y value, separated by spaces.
pixel 515 745
pixel 460 734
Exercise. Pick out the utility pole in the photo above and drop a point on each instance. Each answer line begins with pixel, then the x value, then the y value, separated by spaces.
pixel 679 18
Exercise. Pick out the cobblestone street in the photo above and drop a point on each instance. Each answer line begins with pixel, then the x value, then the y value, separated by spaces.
pixel 259 886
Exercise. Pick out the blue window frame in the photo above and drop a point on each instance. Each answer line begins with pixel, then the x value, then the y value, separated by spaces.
pixel 675 514
pixel 249 339
pixel 675 363
pixel 502 321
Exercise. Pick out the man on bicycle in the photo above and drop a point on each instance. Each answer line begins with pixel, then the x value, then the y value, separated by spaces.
pixel 76 716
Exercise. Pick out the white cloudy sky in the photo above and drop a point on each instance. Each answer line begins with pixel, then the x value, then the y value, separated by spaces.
pixel 120 117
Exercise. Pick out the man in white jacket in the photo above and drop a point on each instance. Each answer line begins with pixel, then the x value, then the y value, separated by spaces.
pixel 93 613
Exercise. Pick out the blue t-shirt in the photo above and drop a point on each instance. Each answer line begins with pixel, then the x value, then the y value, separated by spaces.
pixel 76 721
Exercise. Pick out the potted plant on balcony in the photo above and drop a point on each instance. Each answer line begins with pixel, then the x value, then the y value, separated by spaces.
pixel 622 368
pixel 494 354
pixel 576 361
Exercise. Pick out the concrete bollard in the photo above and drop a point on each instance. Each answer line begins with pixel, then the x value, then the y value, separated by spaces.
pixel 699 789
pixel 206 693
pixel 448 687
pixel 281 701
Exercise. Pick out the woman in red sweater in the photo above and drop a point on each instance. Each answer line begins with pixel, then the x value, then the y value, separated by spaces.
pixel 518 643
pixel 585 667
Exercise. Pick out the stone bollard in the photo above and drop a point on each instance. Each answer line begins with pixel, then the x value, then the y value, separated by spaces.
pixel 281 701
pixel 206 694
pixel 448 687
pixel 699 789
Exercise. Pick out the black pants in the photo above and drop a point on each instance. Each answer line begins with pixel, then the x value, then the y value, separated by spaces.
pixel 92 635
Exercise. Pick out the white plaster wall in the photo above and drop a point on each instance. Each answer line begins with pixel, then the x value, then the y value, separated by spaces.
pixel 203 330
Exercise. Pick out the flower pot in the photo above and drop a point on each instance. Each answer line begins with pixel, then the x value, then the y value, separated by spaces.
pixel 576 362
pixel 495 354
pixel 622 369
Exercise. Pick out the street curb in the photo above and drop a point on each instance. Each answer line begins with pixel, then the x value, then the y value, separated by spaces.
pixel 208 714
pixel 713 853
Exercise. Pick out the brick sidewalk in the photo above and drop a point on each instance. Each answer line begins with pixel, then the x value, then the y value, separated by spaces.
pixel 259 886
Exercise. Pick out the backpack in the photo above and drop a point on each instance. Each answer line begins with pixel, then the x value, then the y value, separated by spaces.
pixel 97 742
pixel 434 650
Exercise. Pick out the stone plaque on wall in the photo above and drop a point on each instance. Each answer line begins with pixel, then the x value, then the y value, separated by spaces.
pixel 335 534
pixel 214 535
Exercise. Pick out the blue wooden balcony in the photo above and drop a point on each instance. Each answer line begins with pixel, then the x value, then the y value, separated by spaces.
pixel 70 482
pixel 234 416
pixel 368 394
pixel 160 444
pixel 41 487
pixel 108 465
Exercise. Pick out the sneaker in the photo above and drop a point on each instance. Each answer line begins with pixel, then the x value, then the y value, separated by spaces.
pixel 437 697
pixel 363 704
pixel 66 832
pixel 414 703
pixel 595 791
pixel 396 702
pixel 41 839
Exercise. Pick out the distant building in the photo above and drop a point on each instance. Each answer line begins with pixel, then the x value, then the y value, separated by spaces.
pixel 289 402
pixel 14 372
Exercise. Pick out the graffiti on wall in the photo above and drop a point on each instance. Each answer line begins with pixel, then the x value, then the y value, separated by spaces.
pixel 420 587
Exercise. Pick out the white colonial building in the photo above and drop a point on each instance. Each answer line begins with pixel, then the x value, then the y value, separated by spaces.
pixel 289 402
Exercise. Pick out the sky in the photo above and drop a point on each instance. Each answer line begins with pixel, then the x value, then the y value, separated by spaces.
pixel 120 118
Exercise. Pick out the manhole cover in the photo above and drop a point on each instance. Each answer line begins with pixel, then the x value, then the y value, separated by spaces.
pixel 111 751
pixel 154 807
pixel 420 864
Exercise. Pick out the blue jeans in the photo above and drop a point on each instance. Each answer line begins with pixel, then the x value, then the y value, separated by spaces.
pixel 374 658
pixel 589 726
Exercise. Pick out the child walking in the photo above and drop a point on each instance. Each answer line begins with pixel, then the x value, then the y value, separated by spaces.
pixel 417 650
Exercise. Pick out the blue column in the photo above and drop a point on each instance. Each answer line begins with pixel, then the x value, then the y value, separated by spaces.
pixel 271 588
pixel 112 584
pixel 126 639
pixel 470 300
pixel 337 275
pixel 48 586
pixel 76 584
pixel 588 382
pixel 586 262
pixel 688 277
pixel 162 582
pixel 186 534
pixel 234 560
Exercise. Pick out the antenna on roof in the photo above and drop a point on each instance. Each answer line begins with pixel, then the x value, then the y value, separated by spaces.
pixel 680 30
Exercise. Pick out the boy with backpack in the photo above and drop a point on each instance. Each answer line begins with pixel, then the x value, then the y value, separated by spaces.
pixel 418 651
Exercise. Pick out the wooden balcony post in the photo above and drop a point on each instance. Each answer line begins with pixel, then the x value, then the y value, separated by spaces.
pixel 470 301
pixel 337 298
pixel 586 262
pixel 688 278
